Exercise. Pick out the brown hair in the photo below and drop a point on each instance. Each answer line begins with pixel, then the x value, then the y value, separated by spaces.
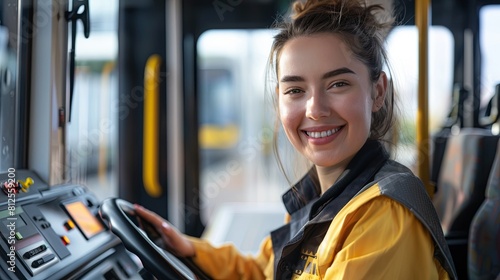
pixel 362 27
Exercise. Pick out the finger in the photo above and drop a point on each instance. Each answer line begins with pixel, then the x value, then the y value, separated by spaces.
pixel 171 237
pixel 155 221
pixel 147 215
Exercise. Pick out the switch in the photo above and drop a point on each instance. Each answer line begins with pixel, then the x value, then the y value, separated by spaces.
pixel 10 188
pixel 65 240
pixel 26 184
pixel 45 225
pixel 35 251
pixel 43 260
pixel 38 218
pixel 69 225
pixel 19 236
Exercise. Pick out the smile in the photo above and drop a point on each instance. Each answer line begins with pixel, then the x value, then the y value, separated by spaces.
pixel 321 134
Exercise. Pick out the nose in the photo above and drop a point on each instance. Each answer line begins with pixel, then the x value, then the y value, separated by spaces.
pixel 317 106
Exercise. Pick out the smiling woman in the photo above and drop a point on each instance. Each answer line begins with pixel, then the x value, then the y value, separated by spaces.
pixel 349 217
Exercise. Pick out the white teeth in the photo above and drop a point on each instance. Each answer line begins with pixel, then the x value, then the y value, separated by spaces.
pixel 317 134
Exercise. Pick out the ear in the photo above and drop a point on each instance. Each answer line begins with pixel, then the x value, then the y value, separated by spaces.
pixel 380 88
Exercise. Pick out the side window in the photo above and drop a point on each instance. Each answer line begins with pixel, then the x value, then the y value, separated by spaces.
pixel 236 121
pixel 218 108
pixel 402 48
pixel 92 130
pixel 8 79
pixel 490 41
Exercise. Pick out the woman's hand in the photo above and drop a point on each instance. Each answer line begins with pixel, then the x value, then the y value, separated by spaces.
pixel 175 241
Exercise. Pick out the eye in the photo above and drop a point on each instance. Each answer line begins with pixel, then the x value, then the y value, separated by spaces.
pixel 293 91
pixel 338 84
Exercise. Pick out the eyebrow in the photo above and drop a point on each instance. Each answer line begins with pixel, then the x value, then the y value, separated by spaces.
pixel 333 73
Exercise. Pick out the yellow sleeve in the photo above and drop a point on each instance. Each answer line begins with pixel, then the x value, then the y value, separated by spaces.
pixel 383 240
pixel 226 262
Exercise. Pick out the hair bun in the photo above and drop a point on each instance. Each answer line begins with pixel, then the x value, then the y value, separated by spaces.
pixel 382 14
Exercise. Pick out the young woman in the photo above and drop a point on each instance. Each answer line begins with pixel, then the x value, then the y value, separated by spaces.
pixel 356 214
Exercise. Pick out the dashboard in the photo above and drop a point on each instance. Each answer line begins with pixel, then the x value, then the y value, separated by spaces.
pixel 56 233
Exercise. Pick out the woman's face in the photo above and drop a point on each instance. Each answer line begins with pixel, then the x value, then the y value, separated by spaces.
pixel 326 99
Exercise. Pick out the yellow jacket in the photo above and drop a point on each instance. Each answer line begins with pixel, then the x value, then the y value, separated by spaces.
pixel 354 247
pixel 374 235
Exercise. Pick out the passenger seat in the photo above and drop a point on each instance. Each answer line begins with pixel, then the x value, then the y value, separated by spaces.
pixel 484 237
pixel 461 186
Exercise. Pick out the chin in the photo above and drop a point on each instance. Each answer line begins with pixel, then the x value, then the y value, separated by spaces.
pixel 324 162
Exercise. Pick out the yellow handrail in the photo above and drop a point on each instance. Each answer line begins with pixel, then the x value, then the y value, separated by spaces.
pixel 422 8
pixel 150 162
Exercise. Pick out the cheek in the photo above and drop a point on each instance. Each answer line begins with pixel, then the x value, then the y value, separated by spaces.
pixel 284 115
pixel 367 114
pixel 289 116
pixel 371 106
pixel 362 113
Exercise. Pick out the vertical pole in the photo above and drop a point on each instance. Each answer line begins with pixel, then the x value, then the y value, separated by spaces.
pixel 422 8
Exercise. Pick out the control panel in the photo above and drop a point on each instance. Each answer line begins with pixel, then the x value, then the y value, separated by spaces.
pixel 56 233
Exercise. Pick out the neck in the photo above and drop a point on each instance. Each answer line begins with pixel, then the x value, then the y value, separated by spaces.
pixel 327 176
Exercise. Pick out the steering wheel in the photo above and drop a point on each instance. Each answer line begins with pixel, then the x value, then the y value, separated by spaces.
pixel 162 264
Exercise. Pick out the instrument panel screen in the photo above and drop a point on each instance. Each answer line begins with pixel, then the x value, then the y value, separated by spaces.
pixel 84 219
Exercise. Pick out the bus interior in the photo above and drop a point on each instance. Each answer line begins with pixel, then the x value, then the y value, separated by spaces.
pixel 166 104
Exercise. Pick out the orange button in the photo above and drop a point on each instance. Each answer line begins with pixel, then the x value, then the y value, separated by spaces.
pixel 65 240
pixel 69 225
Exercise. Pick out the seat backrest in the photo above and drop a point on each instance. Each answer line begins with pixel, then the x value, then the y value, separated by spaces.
pixel 484 238
pixel 463 177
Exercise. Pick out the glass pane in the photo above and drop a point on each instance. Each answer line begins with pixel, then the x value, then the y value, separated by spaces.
pixel 236 121
pixel 402 48
pixel 92 130
pixel 8 80
pixel 490 41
